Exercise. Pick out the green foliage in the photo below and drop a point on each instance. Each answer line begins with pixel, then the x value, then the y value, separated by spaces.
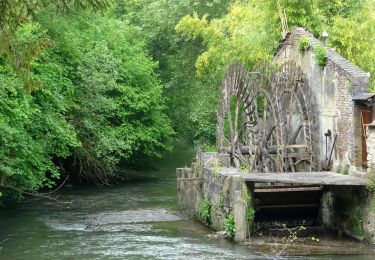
pixel 245 194
pixel 371 184
pixel 79 89
pixel 356 225
pixel 200 183
pixel 205 212
pixel 345 169
pixel 303 43
pixel 216 169
pixel 33 134
pixel 250 214
pixel 240 35
pixel 15 13
pixel 237 36
pixel 92 102
pixel 250 31
pixel 191 118
pixel 348 203
pixel 353 35
pixel 320 55
pixel 209 148
pixel 229 226
pixel 118 103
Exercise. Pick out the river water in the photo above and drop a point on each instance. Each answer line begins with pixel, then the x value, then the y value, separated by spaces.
pixel 135 220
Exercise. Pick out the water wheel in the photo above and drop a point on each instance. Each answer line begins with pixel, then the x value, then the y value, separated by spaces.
pixel 264 119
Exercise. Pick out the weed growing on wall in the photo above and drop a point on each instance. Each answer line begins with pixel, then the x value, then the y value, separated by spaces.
pixel 371 190
pixel 250 214
pixel 199 183
pixel 304 43
pixel 345 170
pixel 217 169
pixel 229 226
pixel 205 213
pixel 320 55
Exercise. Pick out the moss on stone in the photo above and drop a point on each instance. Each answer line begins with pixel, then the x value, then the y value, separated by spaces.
pixel 348 210
pixel 245 194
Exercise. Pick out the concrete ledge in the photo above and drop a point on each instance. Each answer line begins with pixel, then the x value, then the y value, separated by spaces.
pixel 308 178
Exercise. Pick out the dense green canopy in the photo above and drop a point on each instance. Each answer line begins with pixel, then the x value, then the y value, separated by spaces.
pixel 88 100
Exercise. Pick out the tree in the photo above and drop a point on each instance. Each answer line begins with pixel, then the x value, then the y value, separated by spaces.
pixel 175 55
pixel 96 102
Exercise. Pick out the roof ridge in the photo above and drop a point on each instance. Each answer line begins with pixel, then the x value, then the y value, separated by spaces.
pixel 332 55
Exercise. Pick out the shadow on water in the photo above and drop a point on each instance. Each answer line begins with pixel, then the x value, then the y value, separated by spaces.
pixel 129 221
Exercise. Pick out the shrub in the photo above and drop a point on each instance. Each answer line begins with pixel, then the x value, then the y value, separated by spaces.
pixel 304 43
pixel 229 226
pixel 205 213
pixel 320 55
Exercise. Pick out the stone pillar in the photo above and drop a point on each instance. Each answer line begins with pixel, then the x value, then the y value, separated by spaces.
pixel 239 209
pixel 239 214
pixel 326 209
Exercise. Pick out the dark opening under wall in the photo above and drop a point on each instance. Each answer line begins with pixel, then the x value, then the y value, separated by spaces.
pixel 286 205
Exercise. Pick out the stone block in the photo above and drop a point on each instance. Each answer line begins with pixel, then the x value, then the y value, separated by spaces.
pixel 239 214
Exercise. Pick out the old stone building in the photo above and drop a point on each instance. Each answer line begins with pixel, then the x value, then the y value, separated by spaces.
pixel 339 116
pixel 341 102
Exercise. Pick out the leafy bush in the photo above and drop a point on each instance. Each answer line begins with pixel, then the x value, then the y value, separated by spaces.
pixel 33 133
pixel 304 43
pixel 205 213
pixel 92 101
pixel 229 226
pixel 320 55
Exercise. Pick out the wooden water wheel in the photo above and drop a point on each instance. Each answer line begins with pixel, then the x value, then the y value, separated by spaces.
pixel 264 119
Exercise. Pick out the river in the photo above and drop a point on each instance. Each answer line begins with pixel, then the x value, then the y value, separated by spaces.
pixel 136 220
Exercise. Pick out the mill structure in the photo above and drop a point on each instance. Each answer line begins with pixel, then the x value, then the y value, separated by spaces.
pixel 293 146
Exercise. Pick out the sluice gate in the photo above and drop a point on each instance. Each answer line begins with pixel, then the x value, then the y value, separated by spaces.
pixel 294 199
pixel 287 205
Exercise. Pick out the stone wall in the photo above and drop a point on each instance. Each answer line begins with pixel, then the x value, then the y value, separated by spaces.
pixel 345 209
pixel 210 180
pixel 349 210
pixel 370 143
pixel 332 89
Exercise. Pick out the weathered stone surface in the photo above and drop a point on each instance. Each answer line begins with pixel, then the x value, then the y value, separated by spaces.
pixel 239 213
pixel 345 204
pixel 223 191
pixel 326 209
pixel 332 89
pixel 370 143
pixel 313 178
pixel 213 159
